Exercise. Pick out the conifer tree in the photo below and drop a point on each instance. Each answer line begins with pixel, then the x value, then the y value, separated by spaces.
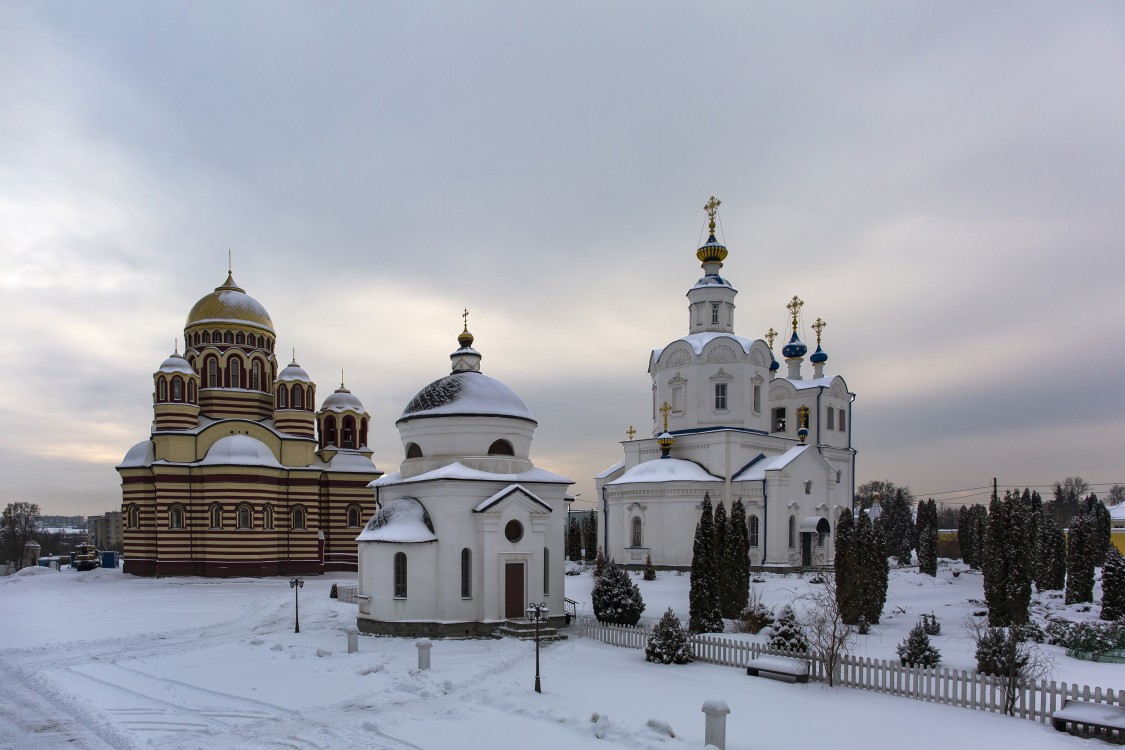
pixel 615 598
pixel 787 632
pixel 917 651
pixel 898 526
pixel 847 571
pixel 650 572
pixel 927 537
pixel 979 523
pixel 1080 552
pixel 668 643
pixel 1007 563
pixel 719 550
pixel 872 568
pixel 599 564
pixel 1050 556
pixel 1101 539
pixel 737 562
pixel 590 536
pixel 963 534
pixel 574 541
pixel 703 597
pixel 1113 586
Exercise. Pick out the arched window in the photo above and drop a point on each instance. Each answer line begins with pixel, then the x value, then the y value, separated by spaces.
pixel 298 397
pixel 245 517
pixel 176 517
pixel 638 535
pixel 330 437
pixel 133 517
pixel 228 338
pixel 546 571
pixel 792 531
pixel 256 376
pixel 212 373
pixel 310 398
pixel 206 337
pixel 413 450
pixel 282 397
pixel 298 518
pixel 400 575
pixel 240 338
pixel 841 420
pixel 353 516
pixel 466 573
pixel 261 342
pixel 347 432
pixel 831 418
pixel 161 390
pixel 177 388
pixel 501 448
pixel 757 398
pixel 217 337
pixel 267 516
pixel 363 432
pixel 216 516
pixel 235 368
pixel 753 531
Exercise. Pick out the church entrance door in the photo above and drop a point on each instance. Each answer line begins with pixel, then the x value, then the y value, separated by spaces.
pixel 806 549
pixel 513 590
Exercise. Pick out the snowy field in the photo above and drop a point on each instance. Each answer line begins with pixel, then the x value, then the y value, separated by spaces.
pixel 101 660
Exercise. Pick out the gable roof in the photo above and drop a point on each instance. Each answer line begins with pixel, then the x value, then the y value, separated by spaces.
pixel 512 491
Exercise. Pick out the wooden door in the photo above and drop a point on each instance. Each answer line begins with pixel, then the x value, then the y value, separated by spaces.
pixel 806 550
pixel 513 590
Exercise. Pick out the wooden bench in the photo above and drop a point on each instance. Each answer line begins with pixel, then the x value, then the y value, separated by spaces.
pixel 1092 716
pixel 781 668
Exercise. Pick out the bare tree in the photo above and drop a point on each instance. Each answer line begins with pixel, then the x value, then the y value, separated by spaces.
pixel 830 638
pixel 1006 655
pixel 18 524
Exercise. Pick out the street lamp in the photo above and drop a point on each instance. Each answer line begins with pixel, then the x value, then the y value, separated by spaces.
pixel 537 612
pixel 295 584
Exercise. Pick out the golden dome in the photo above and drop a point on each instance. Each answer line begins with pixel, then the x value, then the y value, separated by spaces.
pixel 229 303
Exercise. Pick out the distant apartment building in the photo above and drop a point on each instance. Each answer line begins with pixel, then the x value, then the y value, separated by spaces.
pixel 104 531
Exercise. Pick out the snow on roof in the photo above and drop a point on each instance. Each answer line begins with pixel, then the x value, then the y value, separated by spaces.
pixel 348 461
pixel 294 371
pixel 700 340
pixel 665 470
pixel 1117 512
pixel 176 363
pixel 457 470
pixel 711 280
pixel 488 502
pixel 606 472
pixel 758 470
pixel 802 385
pixel 139 455
pixel 403 520
pixel 467 393
pixel 342 400
pixel 240 450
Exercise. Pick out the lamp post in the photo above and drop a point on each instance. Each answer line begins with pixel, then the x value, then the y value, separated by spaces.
pixel 295 584
pixel 537 612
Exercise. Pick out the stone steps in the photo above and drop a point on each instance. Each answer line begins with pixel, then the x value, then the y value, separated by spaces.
pixel 524 630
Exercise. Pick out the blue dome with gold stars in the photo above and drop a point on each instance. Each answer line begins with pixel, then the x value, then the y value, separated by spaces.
pixel 795 348
pixel 819 357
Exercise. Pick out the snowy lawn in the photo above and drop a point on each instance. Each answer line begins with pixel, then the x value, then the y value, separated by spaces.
pixel 101 660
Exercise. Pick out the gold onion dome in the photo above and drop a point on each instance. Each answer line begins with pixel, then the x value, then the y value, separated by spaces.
pixel 465 339
pixel 229 303
pixel 711 251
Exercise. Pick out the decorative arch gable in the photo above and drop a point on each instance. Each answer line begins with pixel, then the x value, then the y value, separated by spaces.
pixel 679 357
pixel 760 354
pixel 721 353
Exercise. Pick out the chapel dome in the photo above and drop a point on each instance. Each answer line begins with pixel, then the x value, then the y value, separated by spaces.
pixel 795 348
pixel 229 303
pixel 240 450
pixel 342 400
pixel 176 364
pixel 294 372
pixel 819 357
pixel 464 394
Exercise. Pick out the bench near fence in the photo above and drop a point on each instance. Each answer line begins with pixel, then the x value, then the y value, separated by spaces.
pixel 1100 719
pixel 782 668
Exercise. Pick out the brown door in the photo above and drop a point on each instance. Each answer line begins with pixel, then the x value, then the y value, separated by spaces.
pixel 513 590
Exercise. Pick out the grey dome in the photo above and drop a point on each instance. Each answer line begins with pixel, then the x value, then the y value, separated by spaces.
pixel 467 393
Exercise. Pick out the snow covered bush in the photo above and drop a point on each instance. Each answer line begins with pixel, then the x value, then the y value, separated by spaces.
pixel 1095 639
pixel 755 617
pixel 650 572
pixel 616 599
pixel 787 633
pixel 916 650
pixel 931 625
pixel 1113 586
pixel 668 643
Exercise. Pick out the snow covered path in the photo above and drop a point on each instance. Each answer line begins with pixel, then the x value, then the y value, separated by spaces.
pixel 99 660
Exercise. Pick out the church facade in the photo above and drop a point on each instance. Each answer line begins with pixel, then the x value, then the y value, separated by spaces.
pixel 728 425
pixel 241 474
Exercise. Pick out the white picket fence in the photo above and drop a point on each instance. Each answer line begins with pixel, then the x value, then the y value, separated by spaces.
pixel 346 592
pixel 956 687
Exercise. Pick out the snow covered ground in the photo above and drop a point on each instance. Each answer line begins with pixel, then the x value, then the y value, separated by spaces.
pixel 101 660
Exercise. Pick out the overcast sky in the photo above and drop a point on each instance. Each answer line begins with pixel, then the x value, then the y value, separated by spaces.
pixel 942 182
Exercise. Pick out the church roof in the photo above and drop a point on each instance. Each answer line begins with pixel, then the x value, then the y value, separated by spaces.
pixel 665 470
pixel 240 450
pixel 342 400
pixel 229 303
pixel 403 520
pixel 457 470
pixel 610 470
pixel 176 364
pixel 499 497
pixel 468 393
pixel 698 341
pixel 294 371
pixel 349 461
pixel 139 455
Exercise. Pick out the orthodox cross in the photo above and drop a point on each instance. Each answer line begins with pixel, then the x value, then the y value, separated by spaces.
pixel 631 431
pixel 818 326
pixel 794 307
pixel 712 207
pixel 465 317
pixel 803 416
pixel 770 336
pixel 664 410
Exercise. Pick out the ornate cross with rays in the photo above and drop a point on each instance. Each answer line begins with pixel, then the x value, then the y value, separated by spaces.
pixel 794 307
pixel 819 326
pixel 664 410
pixel 631 431
pixel 712 208
pixel 770 336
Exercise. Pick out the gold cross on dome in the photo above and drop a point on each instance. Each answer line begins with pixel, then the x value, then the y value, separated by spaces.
pixel 770 336
pixel 819 326
pixel 664 410
pixel 631 432
pixel 712 207
pixel 465 317
pixel 794 307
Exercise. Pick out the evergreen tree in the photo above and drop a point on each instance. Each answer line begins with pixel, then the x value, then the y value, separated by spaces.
pixel 590 536
pixel 574 541
pixel 1007 564
pixel 1113 586
pixel 917 651
pixel 787 633
pixel 979 523
pixel 615 598
pixel 1037 524
pixel 719 550
pixel 1080 551
pixel 873 568
pixel 668 643
pixel 650 572
pixel 1050 556
pixel 964 534
pixel 927 537
pixel 847 571
pixel 898 525
pixel 703 597
pixel 1102 540
pixel 737 563
pixel 599 564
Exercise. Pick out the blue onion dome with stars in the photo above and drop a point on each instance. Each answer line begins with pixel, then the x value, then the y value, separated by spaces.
pixel 795 348
pixel 819 357
pixel 775 366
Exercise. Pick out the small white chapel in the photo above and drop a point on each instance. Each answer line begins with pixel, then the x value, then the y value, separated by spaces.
pixel 726 423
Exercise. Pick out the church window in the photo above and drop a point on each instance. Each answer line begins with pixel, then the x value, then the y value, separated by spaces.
pixel 466 573
pixel 298 397
pixel 501 448
pixel 792 531
pixel 347 433
pixel 298 518
pixel 240 338
pixel 754 528
pixel 267 516
pixel 176 517
pixel 133 517
pixel 261 342
pixel 235 367
pixel 353 516
pixel 513 531
pixel 282 397
pixel 831 418
pixel 217 337
pixel 177 389
pixel 206 337
pixel 808 487
pixel 363 432
pixel 245 517
pixel 841 420
pixel 161 390
pixel 400 575
pixel 212 372
pixel 758 398
pixel 778 424
pixel 821 535
pixel 638 532
pixel 256 376
pixel 838 474
pixel 228 338
pixel 216 516
pixel 678 399
pixel 720 396
pixel 714 313
pixel 546 571
pixel 413 450
pixel 331 437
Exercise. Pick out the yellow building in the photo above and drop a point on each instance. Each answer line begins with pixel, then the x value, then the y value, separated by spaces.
pixel 241 474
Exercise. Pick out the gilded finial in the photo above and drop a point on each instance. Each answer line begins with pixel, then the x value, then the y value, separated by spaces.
pixel 794 307
pixel 176 345
pixel 712 207
pixel 341 377
pixel 465 317
pixel 230 262
pixel 664 410
pixel 819 326
pixel 294 355
pixel 632 431
pixel 770 336
pixel 465 339
pixel 803 416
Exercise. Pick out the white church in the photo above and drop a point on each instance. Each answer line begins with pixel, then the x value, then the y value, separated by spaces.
pixel 726 423
pixel 469 531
